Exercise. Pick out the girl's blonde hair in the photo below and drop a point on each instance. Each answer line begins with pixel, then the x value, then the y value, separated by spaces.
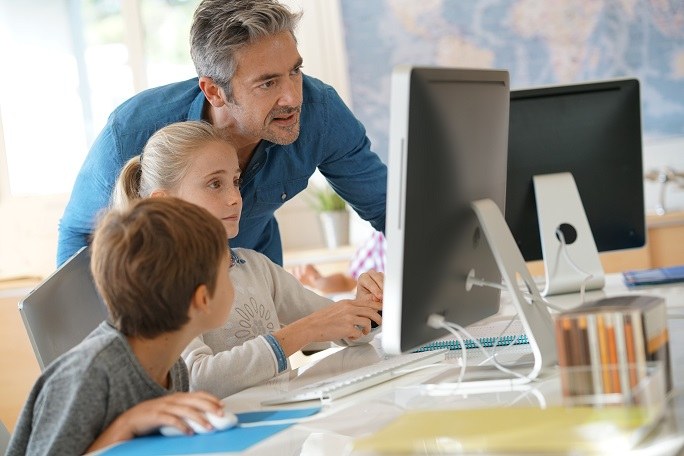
pixel 164 161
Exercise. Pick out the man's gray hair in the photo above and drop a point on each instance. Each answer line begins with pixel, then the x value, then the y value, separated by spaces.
pixel 221 27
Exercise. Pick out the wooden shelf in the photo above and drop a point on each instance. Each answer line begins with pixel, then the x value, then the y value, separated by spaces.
pixel 318 256
pixel 667 219
pixel 327 261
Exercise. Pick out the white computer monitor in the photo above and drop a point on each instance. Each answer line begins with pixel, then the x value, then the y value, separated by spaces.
pixel 448 147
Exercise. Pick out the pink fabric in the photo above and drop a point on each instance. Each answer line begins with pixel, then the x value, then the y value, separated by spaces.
pixel 371 255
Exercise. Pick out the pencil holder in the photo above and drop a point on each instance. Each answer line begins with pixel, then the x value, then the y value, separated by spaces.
pixel 609 349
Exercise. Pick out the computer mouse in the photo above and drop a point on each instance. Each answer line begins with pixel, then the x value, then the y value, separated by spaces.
pixel 374 324
pixel 220 423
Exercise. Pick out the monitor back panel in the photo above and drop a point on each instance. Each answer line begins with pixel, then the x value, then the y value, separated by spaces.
pixel 448 148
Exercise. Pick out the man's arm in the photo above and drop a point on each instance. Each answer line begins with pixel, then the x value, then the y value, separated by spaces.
pixel 354 171
pixel 91 193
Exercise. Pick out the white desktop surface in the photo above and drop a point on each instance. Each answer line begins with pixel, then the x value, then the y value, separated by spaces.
pixel 332 431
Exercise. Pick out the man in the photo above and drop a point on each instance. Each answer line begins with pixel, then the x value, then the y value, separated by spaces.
pixel 250 86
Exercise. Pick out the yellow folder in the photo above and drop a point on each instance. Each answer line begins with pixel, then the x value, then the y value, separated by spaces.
pixel 513 429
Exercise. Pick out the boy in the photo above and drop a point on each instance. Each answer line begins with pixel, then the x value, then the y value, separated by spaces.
pixel 161 266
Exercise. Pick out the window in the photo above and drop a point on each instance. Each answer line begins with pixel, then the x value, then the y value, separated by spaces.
pixel 72 63
pixel 65 66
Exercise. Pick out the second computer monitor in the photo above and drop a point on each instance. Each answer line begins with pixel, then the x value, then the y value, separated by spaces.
pixel 592 130
pixel 448 141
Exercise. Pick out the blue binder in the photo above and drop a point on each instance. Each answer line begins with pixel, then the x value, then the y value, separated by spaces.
pixel 656 276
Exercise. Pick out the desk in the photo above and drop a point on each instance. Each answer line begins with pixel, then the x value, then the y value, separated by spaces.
pixel 333 431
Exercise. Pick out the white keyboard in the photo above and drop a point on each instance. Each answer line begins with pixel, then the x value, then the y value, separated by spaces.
pixel 359 379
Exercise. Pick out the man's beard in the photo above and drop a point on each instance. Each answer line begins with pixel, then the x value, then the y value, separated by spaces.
pixel 282 135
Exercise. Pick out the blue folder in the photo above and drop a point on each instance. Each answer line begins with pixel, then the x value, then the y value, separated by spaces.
pixel 658 276
pixel 235 439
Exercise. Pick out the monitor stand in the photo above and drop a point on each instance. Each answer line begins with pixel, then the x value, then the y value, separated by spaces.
pixel 576 266
pixel 529 304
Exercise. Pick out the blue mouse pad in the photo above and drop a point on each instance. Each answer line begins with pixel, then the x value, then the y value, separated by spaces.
pixel 234 439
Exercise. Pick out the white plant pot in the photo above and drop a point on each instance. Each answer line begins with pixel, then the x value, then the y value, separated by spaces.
pixel 335 228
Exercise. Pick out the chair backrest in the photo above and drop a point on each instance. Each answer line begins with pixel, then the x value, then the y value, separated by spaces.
pixel 63 309
pixel 4 438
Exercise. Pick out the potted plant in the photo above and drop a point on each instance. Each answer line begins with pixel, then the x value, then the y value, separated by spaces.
pixel 333 214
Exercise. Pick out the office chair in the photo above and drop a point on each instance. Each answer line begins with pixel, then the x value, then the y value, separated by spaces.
pixel 63 309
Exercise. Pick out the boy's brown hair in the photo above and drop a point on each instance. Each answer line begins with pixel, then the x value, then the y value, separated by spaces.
pixel 149 258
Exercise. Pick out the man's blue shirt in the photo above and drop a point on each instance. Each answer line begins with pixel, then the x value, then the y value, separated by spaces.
pixel 331 139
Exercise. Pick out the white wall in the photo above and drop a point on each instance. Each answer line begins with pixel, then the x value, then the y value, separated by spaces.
pixel 28 235
pixel 320 39
pixel 28 225
pixel 659 154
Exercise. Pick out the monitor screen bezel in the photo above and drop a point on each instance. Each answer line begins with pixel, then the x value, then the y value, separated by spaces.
pixel 542 141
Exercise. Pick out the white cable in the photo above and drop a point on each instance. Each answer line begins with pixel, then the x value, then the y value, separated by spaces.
pixel 438 321
pixel 472 280
pixel 553 306
pixel 498 365
pixel 496 345
pixel 464 352
pixel 564 250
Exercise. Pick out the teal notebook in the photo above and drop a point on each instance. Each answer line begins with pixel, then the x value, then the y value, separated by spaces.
pixel 235 439
pixel 501 332
pixel 486 342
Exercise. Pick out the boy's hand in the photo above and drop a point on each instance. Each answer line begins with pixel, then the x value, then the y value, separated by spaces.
pixel 150 415
pixel 172 410
pixel 371 283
